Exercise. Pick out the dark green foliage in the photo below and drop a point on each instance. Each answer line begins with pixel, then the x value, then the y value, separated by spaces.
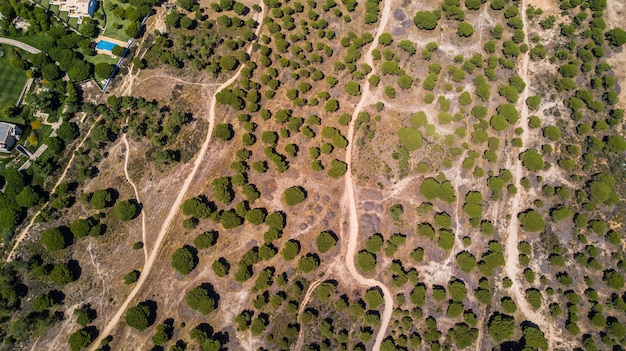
pixel 202 298
pixel 53 240
pixel 616 37
pixel 294 195
pixel 197 206
pixel 366 261
pixel 61 274
pixel 531 221
pixel 465 30
pixel 205 240
pixel 426 20
pixel 410 138
pixel 222 189
pixel 290 250
pixel 131 277
pixel 101 199
pixel 125 210
pixel 532 160
pixel 139 317
pixel 224 131
pixel 613 279
pixel 325 241
pixel 337 168
pixel 501 327
pixel 466 261
pixel 184 260
pixel 534 297
pixel 80 339
pixel 230 219
pixel 308 263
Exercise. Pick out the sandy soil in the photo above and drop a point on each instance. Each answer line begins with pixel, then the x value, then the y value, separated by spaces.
pixel 349 194
pixel 174 207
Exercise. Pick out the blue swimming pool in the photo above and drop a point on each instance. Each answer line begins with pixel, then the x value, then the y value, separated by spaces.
pixel 105 45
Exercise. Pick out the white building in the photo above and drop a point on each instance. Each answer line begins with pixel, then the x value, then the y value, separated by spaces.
pixel 77 8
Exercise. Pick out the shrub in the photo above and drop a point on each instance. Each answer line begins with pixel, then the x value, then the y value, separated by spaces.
pixel 534 298
pixel 337 168
pixel 410 138
pixel 131 277
pixel 466 261
pixel 501 327
pixel 465 30
pixel 256 216
pixel 230 219
pixel 308 263
pixel 532 160
pixel 80 339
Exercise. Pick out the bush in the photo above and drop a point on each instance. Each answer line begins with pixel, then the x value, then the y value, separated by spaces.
pixel 125 210
pixel 197 207
pixel 613 279
pixel 131 277
pixel 184 260
pixel 294 195
pixel 101 199
pixel 534 298
pixel 222 190
pixel 230 219
pixel 80 227
pixel 202 298
pixel 325 241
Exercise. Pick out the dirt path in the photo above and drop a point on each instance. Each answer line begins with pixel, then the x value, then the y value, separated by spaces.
pixel 349 199
pixel 24 231
pixel 143 212
pixel 305 301
pixel 176 205
pixel 512 261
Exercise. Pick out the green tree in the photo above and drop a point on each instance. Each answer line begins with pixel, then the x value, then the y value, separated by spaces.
pixel 139 317
pixel 27 197
pixel 202 298
pixel 308 263
pixel 294 195
pixel 531 221
pixel 125 210
pixel 80 339
pixel 184 260
pixel 104 70
pixel 61 274
pixel 532 160
pixel 501 327
pixel 205 240
pixel 353 88
pixel 222 190
pixel 101 199
pixel 613 279
pixel 366 261
pixel 616 37
pixel 224 131
pixel 290 250
pixel 465 30
pixel 325 241
pixel 426 20
pixel 53 240
pixel 466 261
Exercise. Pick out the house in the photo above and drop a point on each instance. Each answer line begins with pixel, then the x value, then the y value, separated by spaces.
pixel 77 8
pixel 9 134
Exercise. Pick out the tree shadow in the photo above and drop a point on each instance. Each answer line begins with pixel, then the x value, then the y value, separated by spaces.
pixel 74 268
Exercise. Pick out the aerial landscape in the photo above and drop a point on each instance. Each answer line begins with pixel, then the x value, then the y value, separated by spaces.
pixel 312 175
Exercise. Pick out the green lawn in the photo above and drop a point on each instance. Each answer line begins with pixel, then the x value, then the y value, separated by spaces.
pixel 12 80
pixel 73 22
pixel 114 25
pixel 101 58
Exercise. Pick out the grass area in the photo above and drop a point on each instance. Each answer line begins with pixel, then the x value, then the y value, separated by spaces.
pixel 34 40
pixel 55 9
pixel 12 80
pixel 101 58
pixel 114 25
pixel 73 22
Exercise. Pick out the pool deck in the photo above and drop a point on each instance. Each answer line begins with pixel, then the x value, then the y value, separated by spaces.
pixel 110 40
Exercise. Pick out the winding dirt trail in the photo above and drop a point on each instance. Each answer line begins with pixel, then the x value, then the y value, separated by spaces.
pixel 512 261
pixel 176 205
pixel 349 200
pixel 130 181
pixel 305 301
pixel 24 231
